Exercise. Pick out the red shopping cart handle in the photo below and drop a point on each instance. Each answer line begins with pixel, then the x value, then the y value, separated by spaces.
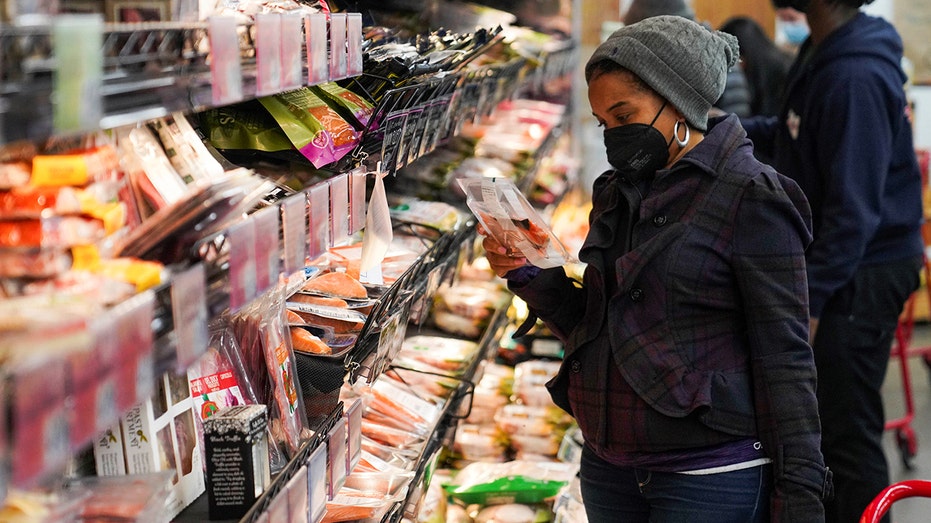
pixel 889 495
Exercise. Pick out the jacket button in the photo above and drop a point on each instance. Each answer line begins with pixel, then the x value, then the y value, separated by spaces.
pixel 576 366
pixel 659 221
pixel 636 294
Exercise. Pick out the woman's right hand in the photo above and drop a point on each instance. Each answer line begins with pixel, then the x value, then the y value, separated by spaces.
pixel 501 262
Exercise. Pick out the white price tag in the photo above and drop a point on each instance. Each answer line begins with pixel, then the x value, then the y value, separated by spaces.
pixel 354 39
pixel 189 314
pixel 337 458
pixel 338 63
pixel 225 64
pixel 315 32
pixel 319 232
pixel 267 249
pixel 357 187
pixel 242 264
pixel 317 483
pixel 267 53
pixel 292 25
pixel 294 218
pixel 339 208
pixel 78 76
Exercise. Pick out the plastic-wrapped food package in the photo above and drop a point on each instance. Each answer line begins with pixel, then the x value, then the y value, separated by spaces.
pixel 510 219
pixel 342 99
pixel 139 498
pixel 219 380
pixel 149 168
pixel 55 231
pixel 269 361
pixel 516 481
pixel 315 129
pixel 530 378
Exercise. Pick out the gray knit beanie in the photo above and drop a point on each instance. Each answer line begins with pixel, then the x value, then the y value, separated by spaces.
pixel 681 60
pixel 640 9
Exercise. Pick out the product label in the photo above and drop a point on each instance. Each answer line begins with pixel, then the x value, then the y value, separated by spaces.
pixel 242 264
pixel 339 207
pixel 267 53
pixel 225 66
pixel 214 392
pixel 294 218
pixel 318 65
pixel 189 313
pixel 291 31
pixel 267 249
pixel 319 231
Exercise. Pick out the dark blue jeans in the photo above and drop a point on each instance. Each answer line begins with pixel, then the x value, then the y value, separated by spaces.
pixel 852 353
pixel 624 495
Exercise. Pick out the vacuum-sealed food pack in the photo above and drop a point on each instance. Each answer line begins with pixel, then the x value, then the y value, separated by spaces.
pixel 509 218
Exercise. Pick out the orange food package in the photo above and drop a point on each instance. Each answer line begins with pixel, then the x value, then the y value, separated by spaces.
pixel 337 285
pixel 303 341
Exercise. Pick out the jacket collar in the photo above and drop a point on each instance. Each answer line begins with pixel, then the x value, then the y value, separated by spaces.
pixel 714 149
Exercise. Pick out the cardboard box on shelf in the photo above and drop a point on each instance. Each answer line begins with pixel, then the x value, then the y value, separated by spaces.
pixel 159 434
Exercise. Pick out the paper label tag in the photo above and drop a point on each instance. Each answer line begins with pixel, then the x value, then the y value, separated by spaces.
pixel 189 314
pixel 134 331
pixel 267 249
pixel 338 63
pixel 317 483
pixel 242 264
pixel 354 38
pixel 319 231
pixel 339 208
pixel 291 44
pixel 267 53
pixel 225 64
pixel 78 75
pixel 105 405
pixel 294 218
pixel 334 313
pixel 357 186
pixel 337 459
pixel 318 64
pixel 391 143
pixel 354 426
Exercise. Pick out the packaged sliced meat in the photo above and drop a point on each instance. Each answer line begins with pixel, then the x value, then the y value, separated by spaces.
pixel 57 231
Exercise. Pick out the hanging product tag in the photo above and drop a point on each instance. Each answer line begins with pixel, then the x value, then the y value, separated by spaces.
pixel 318 64
pixel 294 218
pixel 189 315
pixel 242 264
pixel 78 77
pixel 267 249
pixel 338 63
pixel 339 208
pixel 316 483
pixel 225 65
pixel 357 188
pixel 354 38
pixel 318 233
pixel 378 232
pixel 291 42
pixel 267 53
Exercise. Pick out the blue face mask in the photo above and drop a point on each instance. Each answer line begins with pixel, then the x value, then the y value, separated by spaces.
pixel 795 32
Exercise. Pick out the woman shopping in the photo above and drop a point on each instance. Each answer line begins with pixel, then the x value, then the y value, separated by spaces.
pixel 687 362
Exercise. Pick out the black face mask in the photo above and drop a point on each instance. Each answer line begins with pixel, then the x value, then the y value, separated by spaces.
pixel 637 150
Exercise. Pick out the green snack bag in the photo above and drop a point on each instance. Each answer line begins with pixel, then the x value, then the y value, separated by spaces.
pixel 315 129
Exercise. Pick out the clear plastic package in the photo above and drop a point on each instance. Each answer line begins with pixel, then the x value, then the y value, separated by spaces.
pixel 509 218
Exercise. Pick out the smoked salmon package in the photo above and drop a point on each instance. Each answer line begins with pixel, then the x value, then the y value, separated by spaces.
pixel 219 380
pixel 262 333
pixel 508 217
pixel 325 321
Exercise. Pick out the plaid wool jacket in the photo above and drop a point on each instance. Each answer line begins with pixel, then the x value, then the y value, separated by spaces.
pixel 709 318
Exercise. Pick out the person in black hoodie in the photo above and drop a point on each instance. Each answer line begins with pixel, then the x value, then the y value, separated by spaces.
pixel 844 135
